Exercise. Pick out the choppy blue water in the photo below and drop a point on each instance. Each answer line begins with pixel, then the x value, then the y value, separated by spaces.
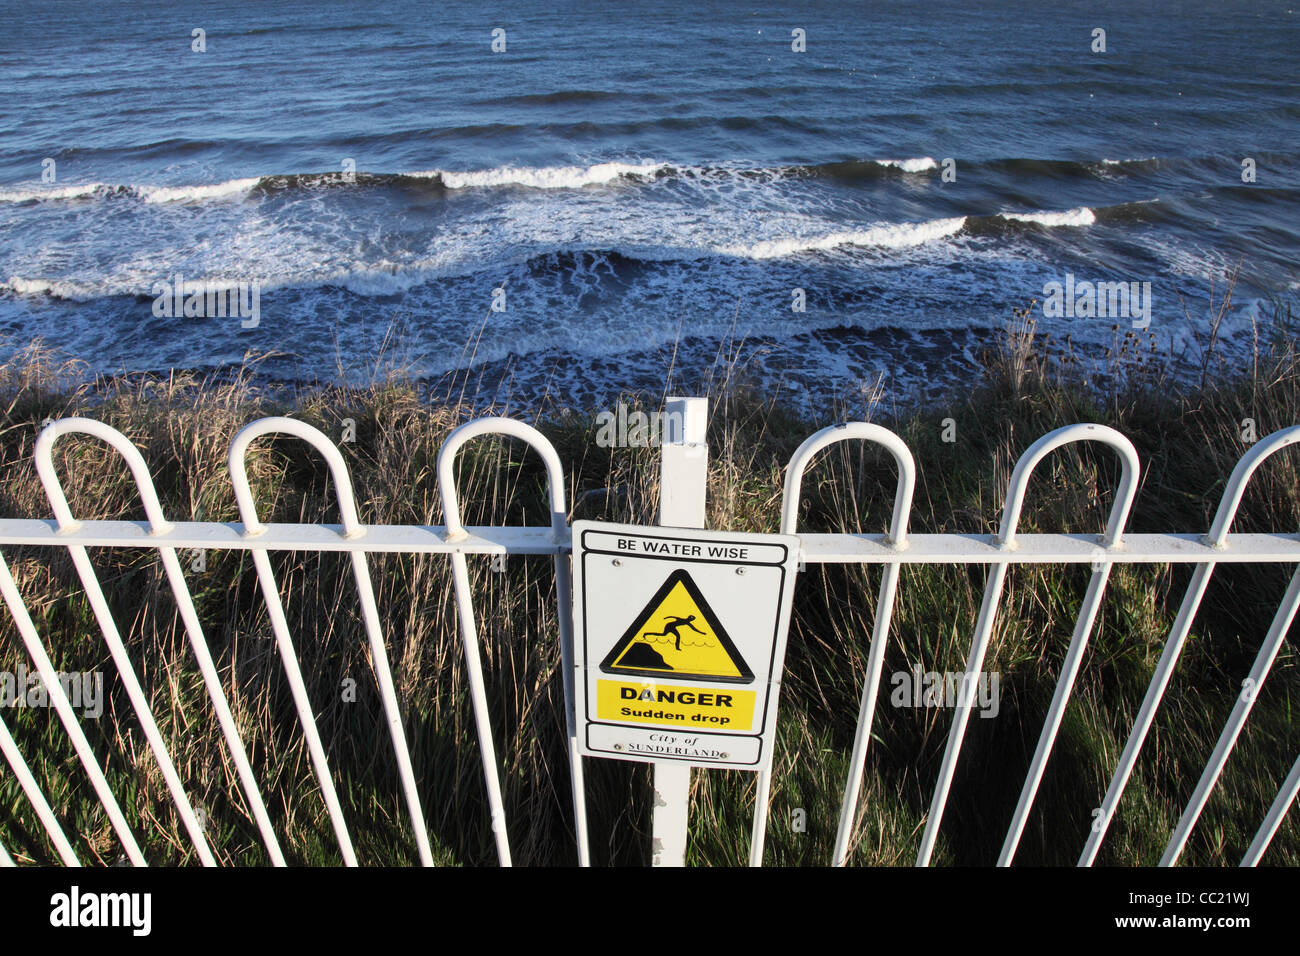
pixel 647 184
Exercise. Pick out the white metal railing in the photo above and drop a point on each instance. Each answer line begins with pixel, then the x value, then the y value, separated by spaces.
pixel 259 539
pixel 1005 549
pixel 683 476
pixel 465 612
pixel 897 541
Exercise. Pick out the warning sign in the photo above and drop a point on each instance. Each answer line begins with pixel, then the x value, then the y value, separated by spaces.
pixel 680 642
pixel 664 703
pixel 679 635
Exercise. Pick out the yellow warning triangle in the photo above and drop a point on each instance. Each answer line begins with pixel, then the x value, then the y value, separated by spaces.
pixel 678 635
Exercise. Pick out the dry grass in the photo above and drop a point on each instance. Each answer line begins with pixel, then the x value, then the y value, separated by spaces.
pixel 1189 440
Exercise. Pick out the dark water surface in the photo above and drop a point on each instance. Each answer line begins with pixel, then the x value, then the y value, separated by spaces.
pixel 647 184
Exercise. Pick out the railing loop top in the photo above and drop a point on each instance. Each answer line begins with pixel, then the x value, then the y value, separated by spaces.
pixel 1049 443
pixel 515 429
pixel 844 431
pixel 352 527
pixel 1240 477
pixel 44 457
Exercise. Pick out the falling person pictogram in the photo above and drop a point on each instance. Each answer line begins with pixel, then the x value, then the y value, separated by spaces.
pixel 679 609
pixel 670 630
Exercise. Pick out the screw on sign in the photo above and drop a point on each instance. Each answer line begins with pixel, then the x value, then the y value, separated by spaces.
pixel 680 642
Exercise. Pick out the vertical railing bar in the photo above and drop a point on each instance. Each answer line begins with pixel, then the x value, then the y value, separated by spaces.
pixel 139 702
pixel 758 830
pixel 353 529
pixel 469 629
pixel 220 703
pixel 961 714
pixel 63 707
pixel 1010 519
pixel 280 626
pixel 1227 510
pixel 564 613
pixel 1241 710
pixel 1146 715
pixel 43 456
pixel 1056 712
pixel 289 658
pixel 37 798
pixel 885 601
pixel 158 524
pixel 1087 617
pixel 388 692
pixel 1286 795
pixel 473 653
pixel 866 715
pixel 478 699
pixel 6 861
pixel 564 598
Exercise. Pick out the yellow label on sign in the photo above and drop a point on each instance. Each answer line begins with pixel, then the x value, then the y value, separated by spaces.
pixel 678 635
pixel 667 705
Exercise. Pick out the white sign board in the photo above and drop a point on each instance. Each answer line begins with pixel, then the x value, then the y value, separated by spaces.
pixel 680 642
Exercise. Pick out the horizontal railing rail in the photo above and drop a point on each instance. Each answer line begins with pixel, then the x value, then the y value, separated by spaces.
pixel 818 548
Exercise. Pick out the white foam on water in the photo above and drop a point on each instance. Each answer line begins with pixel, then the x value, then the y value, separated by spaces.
pixel 1183 259
pixel 231 187
pixel 150 194
pixel 918 164
pixel 55 288
pixel 546 177
pixel 886 236
pixel 1083 216
pixel 286 259
pixel 27 286
pixel 57 192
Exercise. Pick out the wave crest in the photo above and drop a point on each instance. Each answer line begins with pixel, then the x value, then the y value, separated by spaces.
pixel 545 177
pixel 918 164
pixel 1082 216
pixel 885 236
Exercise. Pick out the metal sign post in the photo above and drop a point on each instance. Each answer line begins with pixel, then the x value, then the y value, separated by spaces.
pixel 683 483
pixel 681 638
